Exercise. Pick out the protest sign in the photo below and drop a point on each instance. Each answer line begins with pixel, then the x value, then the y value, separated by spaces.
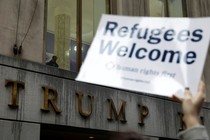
pixel 148 54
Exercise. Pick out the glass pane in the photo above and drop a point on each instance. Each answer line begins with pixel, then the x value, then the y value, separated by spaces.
pixel 61 31
pixel 157 8
pixel 91 14
pixel 175 8
pixel 161 8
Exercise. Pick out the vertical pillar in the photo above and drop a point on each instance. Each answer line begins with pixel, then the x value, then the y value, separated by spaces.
pixel 79 35
pixel 62 37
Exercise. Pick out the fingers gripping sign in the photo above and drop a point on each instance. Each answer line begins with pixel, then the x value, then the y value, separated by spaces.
pixel 191 105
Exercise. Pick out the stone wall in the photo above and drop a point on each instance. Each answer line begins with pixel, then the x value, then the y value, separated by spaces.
pixel 154 116
pixel 14 25
pixel 13 130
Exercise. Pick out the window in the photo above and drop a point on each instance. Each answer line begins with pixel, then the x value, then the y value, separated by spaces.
pixel 167 8
pixel 157 8
pixel 62 29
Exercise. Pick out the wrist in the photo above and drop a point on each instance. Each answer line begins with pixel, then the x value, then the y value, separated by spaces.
pixel 191 120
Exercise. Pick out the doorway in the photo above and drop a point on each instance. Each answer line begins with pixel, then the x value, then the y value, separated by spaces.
pixel 57 132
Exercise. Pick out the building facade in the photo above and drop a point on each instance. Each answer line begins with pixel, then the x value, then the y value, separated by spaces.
pixel 43 102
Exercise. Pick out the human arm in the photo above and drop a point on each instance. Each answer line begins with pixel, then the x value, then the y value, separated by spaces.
pixel 191 106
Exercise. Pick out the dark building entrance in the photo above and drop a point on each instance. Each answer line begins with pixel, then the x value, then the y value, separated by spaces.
pixel 55 132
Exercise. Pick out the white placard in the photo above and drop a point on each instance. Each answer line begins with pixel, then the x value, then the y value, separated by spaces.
pixel 147 54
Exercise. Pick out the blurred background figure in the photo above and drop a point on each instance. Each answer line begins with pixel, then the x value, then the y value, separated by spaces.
pixel 53 62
